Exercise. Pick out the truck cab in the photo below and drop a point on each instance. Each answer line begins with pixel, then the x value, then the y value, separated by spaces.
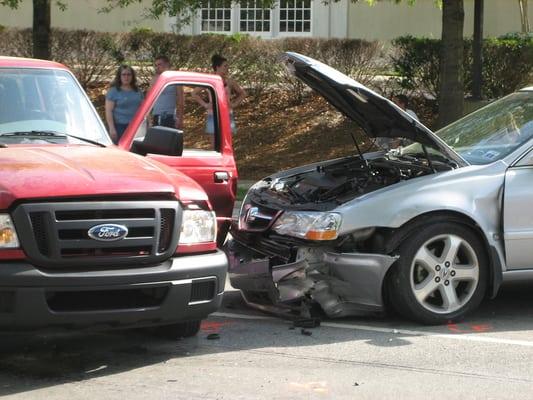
pixel 105 236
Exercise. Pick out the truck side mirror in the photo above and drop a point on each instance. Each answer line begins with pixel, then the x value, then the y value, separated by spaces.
pixel 161 140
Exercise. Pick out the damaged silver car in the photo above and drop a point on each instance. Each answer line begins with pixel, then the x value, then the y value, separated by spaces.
pixel 429 228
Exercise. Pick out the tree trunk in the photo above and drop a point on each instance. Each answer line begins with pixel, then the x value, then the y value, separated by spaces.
pixel 41 29
pixel 524 20
pixel 477 51
pixel 451 93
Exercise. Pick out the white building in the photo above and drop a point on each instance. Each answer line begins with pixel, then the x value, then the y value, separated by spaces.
pixel 287 18
pixel 385 20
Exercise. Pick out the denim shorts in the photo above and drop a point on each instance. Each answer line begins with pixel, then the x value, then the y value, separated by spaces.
pixel 120 128
pixel 210 126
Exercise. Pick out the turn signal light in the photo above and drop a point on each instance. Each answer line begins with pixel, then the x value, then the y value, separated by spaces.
pixel 321 235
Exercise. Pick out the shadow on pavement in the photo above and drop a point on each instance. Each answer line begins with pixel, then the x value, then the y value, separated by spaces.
pixel 30 362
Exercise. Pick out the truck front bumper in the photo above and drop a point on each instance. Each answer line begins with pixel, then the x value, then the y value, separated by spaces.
pixel 180 289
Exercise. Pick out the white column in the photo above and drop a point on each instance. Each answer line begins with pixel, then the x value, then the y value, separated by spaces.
pixel 235 10
pixel 274 21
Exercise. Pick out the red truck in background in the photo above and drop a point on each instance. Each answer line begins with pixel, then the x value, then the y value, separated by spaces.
pixel 96 235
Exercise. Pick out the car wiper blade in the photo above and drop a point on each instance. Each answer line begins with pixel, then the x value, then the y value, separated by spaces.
pixel 56 134
pixel 86 140
pixel 34 133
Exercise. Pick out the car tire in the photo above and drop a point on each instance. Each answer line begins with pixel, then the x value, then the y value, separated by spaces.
pixel 441 274
pixel 179 330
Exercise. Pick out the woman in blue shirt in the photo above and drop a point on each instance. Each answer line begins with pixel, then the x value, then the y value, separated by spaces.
pixel 122 101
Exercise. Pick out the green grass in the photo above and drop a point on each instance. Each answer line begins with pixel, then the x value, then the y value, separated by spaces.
pixel 241 192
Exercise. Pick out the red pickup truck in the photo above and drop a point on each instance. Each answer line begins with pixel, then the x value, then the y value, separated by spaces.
pixel 98 235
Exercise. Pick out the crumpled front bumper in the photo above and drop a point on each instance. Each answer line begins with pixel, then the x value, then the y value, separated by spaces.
pixel 343 284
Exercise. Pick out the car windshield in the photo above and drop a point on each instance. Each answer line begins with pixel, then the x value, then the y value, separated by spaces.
pixel 46 106
pixel 494 131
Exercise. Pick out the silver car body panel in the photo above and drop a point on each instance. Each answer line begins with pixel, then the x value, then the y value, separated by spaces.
pixel 473 191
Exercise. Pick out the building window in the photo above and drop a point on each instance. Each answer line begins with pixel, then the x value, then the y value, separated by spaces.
pixel 216 16
pixel 295 16
pixel 253 17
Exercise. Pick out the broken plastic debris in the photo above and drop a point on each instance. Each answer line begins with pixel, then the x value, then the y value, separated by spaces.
pixel 213 336
pixel 306 322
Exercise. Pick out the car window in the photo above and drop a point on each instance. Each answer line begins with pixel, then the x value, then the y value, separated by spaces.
pixel 190 109
pixel 41 102
pixel 494 131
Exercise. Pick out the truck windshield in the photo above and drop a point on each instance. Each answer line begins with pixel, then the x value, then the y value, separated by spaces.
pixel 35 102
pixel 494 131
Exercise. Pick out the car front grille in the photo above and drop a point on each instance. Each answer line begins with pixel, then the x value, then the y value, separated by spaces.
pixel 56 235
pixel 257 218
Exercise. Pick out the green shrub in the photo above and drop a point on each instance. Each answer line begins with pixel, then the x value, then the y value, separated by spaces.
pixel 507 64
pixel 416 60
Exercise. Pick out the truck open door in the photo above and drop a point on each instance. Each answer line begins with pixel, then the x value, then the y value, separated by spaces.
pixel 205 157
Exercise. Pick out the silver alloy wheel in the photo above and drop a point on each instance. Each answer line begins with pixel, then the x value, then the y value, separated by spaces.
pixel 444 273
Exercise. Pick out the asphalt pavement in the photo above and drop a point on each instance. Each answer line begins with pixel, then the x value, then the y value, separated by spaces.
pixel 244 354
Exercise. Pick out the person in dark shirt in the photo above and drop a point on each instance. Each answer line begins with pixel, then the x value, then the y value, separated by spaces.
pixel 169 106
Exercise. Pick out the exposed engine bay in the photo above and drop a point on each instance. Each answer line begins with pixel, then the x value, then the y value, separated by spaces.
pixel 326 185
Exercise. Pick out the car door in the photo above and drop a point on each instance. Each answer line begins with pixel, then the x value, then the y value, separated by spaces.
pixel 207 158
pixel 518 214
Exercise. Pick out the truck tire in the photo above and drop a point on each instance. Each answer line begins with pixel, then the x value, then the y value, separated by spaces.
pixel 179 330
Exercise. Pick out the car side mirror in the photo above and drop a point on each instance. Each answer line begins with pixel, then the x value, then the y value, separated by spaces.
pixel 161 140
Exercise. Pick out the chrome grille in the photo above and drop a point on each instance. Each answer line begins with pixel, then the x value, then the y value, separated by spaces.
pixel 55 235
pixel 255 217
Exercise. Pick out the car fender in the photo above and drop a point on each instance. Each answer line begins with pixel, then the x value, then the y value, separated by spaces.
pixel 474 191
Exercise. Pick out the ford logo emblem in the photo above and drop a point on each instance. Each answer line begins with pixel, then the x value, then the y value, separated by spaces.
pixel 107 232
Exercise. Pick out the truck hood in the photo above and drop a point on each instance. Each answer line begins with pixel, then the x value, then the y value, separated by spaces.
pixel 31 173
pixel 376 115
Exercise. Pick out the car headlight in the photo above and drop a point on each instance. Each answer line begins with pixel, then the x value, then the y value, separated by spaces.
pixel 8 235
pixel 309 225
pixel 198 226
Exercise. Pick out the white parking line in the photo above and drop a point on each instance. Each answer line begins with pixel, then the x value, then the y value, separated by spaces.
pixel 457 336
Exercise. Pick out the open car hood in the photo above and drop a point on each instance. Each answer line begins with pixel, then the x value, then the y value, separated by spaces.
pixel 376 115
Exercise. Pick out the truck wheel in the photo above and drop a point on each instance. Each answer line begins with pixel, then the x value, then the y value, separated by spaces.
pixel 441 274
pixel 179 330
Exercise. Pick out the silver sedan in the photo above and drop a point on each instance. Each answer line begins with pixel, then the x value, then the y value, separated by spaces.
pixel 428 225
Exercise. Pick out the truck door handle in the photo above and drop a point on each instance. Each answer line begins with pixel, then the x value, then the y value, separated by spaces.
pixel 221 177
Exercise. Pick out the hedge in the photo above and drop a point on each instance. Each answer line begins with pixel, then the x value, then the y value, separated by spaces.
pixel 507 64
pixel 93 55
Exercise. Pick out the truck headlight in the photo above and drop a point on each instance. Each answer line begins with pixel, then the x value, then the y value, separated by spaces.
pixel 8 235
pixel 198 226
pixel 310 225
